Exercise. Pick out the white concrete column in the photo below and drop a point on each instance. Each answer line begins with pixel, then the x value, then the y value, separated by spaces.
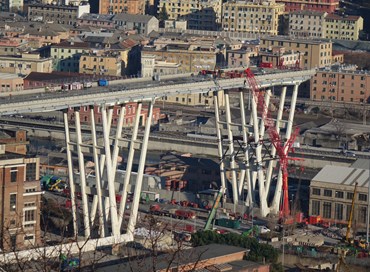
pixel 98 199
pixel 81 164
pixel 219 141
pixel 70 173
pixel 245 174
pixel 292 111
pixel 231 150
pixel 272 163
pixel 110 180
pixel 140 173
pixel 118 136
pixel 130 159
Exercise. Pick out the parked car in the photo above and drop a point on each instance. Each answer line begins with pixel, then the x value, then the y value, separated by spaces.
pixel 264 229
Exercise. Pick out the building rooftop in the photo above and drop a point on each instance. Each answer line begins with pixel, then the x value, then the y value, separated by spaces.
pixel 345 17
pixel 343 175
pixel 46 6
pixel 8 76
pixel 97 17
pixel 135 18
pixel 294 40
pixel 188 256
pixel 307 12
pixel 344 68
pixel 71 44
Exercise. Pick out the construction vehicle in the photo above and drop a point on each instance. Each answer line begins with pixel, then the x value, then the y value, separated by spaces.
pixel 212 214
pixel 175 213
pixel 349 226
pixel 53 183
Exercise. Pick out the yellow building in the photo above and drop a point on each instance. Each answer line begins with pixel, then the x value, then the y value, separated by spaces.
pixel 25 64
pixel 10 82
pixel 252 17
pixel 343 27
pixel 202 15
pixel 101 63
pixel 315 53
pixel 66 55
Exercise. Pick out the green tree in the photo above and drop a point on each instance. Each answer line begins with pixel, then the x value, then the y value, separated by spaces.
pixel 163 15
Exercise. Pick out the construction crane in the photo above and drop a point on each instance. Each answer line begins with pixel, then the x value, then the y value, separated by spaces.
pixel 349 226
pixel 212 214
pixel 281 148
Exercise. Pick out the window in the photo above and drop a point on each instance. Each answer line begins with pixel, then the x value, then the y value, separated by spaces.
pixel 338 211
pixel 13 174
pixel 13 202
pixel 315 207
pixel 362 197
pixel 328 193
pixel 28 237
pixel 327 210
pixel 339 194
pixel 316 191
pixel 349 196
pixel 362 214
pixel 29 215
pixel 31 172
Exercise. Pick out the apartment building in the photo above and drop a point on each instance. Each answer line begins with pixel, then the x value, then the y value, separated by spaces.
pixel 96 20
pixel 281 58
pixel 343 27
pixel 192 58
pixel 101 63
pixel 328 6
pixel 12 46
pixel 59 14
pixel 129 115
pixel 252 17
pixel 315 53
pixel 341 83
pixel 66 55
pixel 25 63
pixel 241 57
pixel 331 195
pixel 10 83
pixel 307 24
pixel 142 24
pixel 200 15
pixel 20 198
pixel 124 6
pixel 11 6
pixel 151 67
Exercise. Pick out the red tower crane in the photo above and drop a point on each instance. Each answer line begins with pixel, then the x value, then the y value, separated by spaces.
pixel 281 148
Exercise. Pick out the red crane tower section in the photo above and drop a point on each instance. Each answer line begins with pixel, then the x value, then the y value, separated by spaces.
pixel 282 149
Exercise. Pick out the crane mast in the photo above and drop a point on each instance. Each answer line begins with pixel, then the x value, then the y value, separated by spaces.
pixel 281 148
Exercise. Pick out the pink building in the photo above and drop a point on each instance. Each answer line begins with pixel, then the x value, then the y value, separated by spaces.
pixel 328 6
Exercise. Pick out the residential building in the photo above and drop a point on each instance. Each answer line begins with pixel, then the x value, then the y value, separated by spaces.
pixel 142 24
pixel 201 15
pixel 150 67
pixel 101 63
pixel 343 27
pixel 59 14
pixel 66 55
pixel 280 58
pixel 315 53
pixel 11 6
pixel 21 198
pixel 328 6
pixel 307 24
pixel 337 57
pixel 10 83
pixel 341 83
pixel 252 17
pixel 96 20
pixel 241 57
pixel 127 6
pixel 129 115
pixel 331 195
pixel 25 63
pixel 12 46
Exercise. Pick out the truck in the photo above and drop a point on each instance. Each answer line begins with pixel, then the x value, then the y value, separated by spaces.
pixel 228 223
pixel 103 82
pixel 87 84
pixel 175 213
